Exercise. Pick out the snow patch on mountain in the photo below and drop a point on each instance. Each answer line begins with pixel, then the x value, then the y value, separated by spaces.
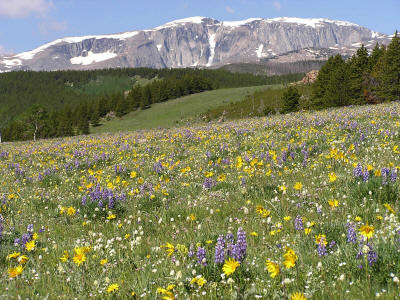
pixel 70 40
pixel 92 58
pixel 260 50
pixel 212 43
pixel 193 20
pixel 312 22
pixel 12 62
pixel 239 23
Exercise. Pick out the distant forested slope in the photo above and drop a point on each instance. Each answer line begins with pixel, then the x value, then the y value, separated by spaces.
pixel 66 102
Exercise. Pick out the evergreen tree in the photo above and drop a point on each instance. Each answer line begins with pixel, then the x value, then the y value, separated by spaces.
pixel 376 54
pixel 146 98
pixel 339 90
pixel 357 76
pixel 319 87
pixel 290 100
pixel 95 118
pixel 387 72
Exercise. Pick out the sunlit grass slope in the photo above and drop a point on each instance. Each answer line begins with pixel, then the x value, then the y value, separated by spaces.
pixel 177 112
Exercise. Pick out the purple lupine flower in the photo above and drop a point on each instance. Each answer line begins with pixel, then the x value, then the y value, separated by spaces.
pixel 209 183
pixel 365 175
pixel 241 244
pixel 26 237
pixel 220 250
pixel 30 228
pixel 385 174
pixel 157 167
pixel 351 233
pixel 1 226
pixel 201 256
pixel 372 256
pixel 230 237
pixel 111 201
pixel 292 155
pixel 84 200
pixel 321 248
pixel 235 253
pixel 298 223
pixel 284 156
pixel 393 175
pixel 332 244
pixel 358 172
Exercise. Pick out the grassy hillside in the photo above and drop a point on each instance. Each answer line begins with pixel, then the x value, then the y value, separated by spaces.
pixel 262 102
pixel 178 111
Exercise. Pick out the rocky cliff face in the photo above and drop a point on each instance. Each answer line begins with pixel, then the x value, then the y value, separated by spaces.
pixel 200 42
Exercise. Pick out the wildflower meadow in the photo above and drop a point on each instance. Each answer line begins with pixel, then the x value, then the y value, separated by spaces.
pixel 297 206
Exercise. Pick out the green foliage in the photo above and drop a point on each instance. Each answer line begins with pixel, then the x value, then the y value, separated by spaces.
pixel 263 102
pixel 75 99
pixel 290 99
pixel 362 79
pixel 387 72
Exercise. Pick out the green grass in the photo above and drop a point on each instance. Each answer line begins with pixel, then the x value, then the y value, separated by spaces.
pixel 177 112
pixel 259 104
pixel 118 213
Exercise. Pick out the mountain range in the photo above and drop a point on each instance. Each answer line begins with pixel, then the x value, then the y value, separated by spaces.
pixel 201 42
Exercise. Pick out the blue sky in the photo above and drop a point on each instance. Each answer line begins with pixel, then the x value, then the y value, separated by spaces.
pixel 27 24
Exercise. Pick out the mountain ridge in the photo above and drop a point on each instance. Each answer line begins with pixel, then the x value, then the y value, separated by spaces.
pixel 199 42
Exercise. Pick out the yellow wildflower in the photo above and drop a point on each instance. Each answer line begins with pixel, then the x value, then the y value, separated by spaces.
pixel 30 246
pixel 14 272
pixel 367 231
pixel 230 266
pixel 113 288
pixel 273 268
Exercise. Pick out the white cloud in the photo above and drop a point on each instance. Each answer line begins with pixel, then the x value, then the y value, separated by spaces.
pixel 277 5
pixel 230 10
pixel 47 27
pixel 16 9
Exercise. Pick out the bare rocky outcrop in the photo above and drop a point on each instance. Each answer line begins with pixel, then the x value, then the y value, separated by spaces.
pixel 309 78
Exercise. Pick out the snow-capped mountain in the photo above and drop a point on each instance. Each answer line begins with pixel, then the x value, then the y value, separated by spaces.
pixel 200 42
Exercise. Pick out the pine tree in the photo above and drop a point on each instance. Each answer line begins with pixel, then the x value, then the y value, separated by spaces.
pixel 376 54
pixel 290 100
pixel 319 87
pixel 387 72
pixel 95 118
pixel 338 88
pixel 146 98
pixel 357 76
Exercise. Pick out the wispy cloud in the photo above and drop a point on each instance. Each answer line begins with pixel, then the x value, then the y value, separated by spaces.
pixel 47 27
pixel 230 10
pixel 18 9
pixel 277 5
